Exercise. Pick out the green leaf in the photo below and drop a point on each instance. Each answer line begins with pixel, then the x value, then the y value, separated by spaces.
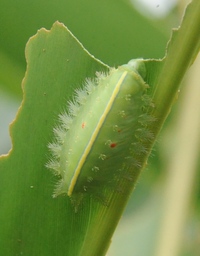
pixel 32 222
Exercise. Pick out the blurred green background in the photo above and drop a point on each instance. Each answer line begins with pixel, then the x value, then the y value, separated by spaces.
pixel 114 31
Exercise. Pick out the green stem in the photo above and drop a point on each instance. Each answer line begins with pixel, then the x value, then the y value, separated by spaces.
pixel 182 50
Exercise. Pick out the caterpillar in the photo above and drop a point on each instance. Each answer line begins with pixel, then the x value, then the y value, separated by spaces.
pixel 102 136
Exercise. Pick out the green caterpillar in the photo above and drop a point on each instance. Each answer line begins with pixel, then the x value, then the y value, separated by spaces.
pixel 102 136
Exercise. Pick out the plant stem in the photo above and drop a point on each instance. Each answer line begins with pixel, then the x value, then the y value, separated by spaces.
pixel 182 50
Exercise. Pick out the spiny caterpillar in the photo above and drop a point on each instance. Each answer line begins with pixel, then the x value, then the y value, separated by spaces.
pixel 102 136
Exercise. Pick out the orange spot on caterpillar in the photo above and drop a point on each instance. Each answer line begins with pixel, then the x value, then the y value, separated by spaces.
pixel 113 145
pixel 83 125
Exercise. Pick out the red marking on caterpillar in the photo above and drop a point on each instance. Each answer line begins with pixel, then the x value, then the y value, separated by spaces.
pixel 113 145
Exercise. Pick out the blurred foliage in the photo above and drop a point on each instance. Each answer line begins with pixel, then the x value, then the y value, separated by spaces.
pixel 112 31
